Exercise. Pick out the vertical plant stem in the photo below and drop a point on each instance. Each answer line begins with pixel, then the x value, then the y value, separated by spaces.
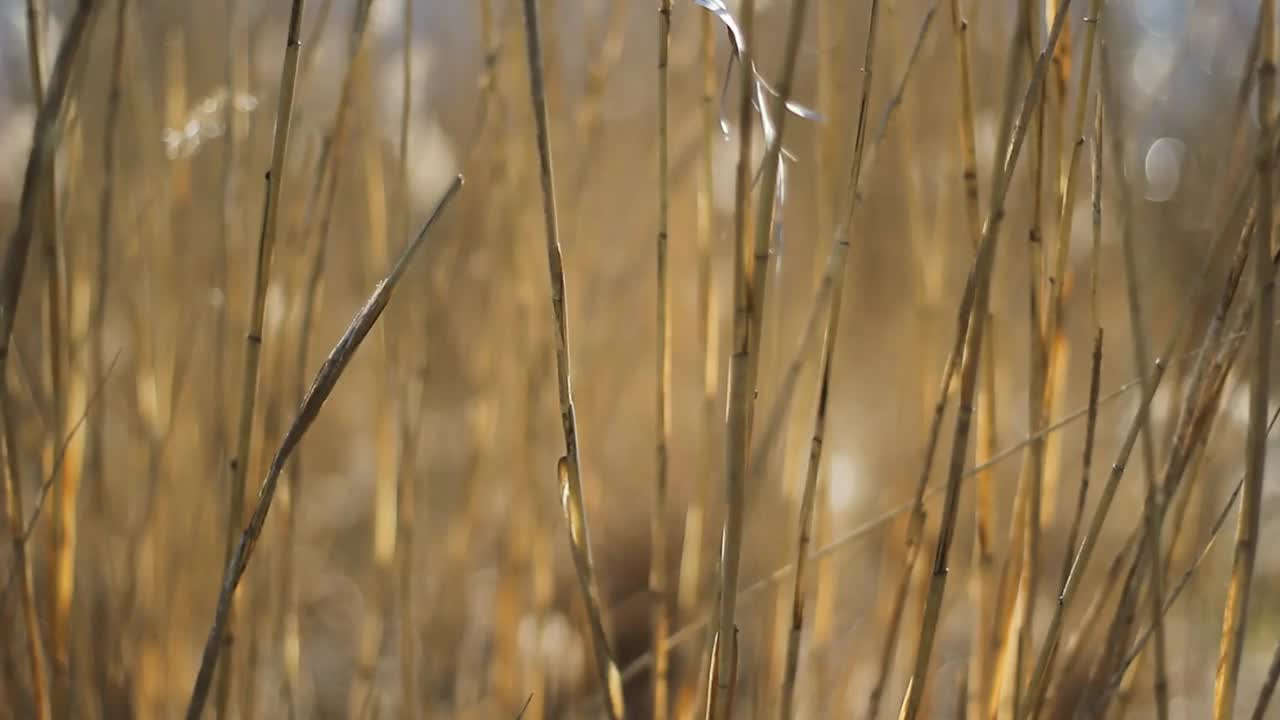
pixel 1247 528
pixel 983 579
pixel 830 15
pixel 1086 464
pixel 568 469
pixel 770 192
pixel 658 529
pixel 1039 391
pixel 262 275
pixel 737 426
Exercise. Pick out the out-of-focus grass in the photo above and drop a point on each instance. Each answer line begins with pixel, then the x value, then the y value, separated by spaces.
pixel 416 563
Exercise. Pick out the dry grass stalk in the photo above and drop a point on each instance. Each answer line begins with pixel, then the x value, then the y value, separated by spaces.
pixel 321 387
pixel 768 222
pixel 661 619
pixel 262 275
pixel 771 192
pixel 1246 547
pixel 1086 465
pixel 829 18
pixel 1044 363
pixel 984 504
pixel 738 425
pixel 568 470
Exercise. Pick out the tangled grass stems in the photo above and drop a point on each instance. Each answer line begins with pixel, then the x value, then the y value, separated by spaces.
pixel 979 280
pixel 1084 553
pixel 1166 603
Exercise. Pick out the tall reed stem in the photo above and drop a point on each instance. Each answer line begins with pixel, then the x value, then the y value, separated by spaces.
pixel 658 529
pixel 262 275
pixel 737 426
pixel 568 469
